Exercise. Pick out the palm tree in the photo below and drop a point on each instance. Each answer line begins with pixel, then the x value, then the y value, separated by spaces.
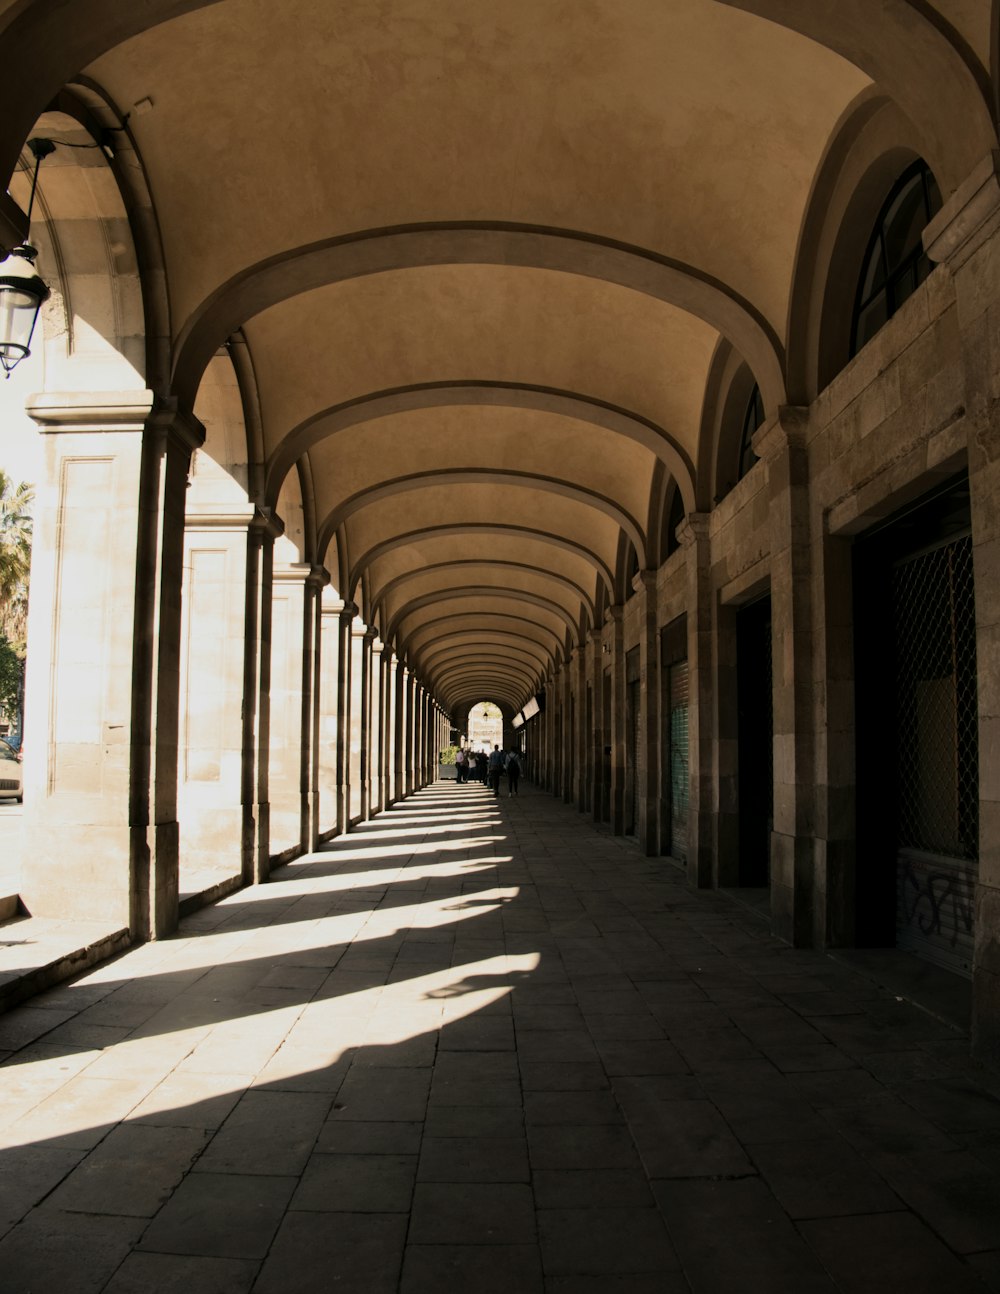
pixel 15 557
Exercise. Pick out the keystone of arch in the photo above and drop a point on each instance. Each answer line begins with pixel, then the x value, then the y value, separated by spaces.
pixel 513 395
pixel 482 476
pixel 374 251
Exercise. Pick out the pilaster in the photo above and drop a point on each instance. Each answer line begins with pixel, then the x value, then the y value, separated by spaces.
pixel 102 725
pixel 617 741
pixel 331 609
pixel 648 754
pixel 693 535
pixel 965 236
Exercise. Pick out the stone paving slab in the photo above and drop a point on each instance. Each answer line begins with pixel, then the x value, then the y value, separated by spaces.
pixel 484 1046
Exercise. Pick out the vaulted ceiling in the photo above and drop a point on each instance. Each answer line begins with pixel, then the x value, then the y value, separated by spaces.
pixel 482 256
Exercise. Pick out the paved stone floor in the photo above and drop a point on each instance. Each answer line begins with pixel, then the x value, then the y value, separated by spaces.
pixel 481 1046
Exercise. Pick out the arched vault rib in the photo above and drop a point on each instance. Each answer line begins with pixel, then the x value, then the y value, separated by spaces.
pixel 943 93
pixel 477 476
pixel 372 251
pixel 501 563
pixel 475 623
pixel 475 593
pixel 380 404
pixel 468 644
pixel 481 528
pixel 440 661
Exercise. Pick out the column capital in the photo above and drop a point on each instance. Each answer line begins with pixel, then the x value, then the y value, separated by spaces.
pixel 969 218
pixel 292 572
pixel 614 614
pixel 693 529
pixel 378 646
pixel 371 633
pixel 643 580
pixel 221 517
pixel 595 635
pixel 267 523
pixel 318 577
pixel 787 430
pixel 347 612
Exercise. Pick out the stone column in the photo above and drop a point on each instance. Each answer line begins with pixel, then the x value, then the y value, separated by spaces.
pixel 367 721
pixel 393 716
pixel 214 644
pixel 359 717
pixel 694 538
pixel 596 737
pixel 409 696
pixel 379 670
pixel 331 608
pixel 311 663
pixel 570 670
pixel 965 236
pixel 344 671
pixel 100 826
pixel 782 445
pixel 256 850
pixel 617 741
pixel 291 628
pixel 648 753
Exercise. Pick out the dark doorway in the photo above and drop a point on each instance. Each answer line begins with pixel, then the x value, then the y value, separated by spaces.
pixel 755 741
pixel 917 731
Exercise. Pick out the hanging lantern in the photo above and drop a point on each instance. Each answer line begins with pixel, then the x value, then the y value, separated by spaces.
pixel 22 294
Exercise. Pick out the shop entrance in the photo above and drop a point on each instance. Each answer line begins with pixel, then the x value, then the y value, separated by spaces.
pixel 917 732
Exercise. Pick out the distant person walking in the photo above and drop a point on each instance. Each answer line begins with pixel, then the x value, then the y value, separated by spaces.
pixel 513 766
pixel 482 767
pixel 496 768
pixel 461 766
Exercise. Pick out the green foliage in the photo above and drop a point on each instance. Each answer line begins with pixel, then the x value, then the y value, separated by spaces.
pixel 10 677
pixel 15 558
pixel 448 754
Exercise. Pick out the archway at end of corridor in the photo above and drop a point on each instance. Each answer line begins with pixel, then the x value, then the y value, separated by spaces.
pixel 485 726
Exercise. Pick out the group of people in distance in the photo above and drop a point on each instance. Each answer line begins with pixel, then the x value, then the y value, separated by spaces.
pixel 488 769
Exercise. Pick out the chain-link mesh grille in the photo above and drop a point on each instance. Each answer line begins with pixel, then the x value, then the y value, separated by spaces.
pixel 934 617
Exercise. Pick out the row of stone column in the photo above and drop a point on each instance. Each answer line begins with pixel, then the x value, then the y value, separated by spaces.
pixel 191 702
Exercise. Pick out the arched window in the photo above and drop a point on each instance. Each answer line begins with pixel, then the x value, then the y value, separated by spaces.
pixel 752 419
pixel 895 262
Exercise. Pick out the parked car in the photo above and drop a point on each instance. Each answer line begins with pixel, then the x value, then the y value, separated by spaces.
pixel 11 786
pixel 11 745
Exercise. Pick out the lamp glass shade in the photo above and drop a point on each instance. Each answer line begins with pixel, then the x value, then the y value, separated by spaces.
pixel 22 294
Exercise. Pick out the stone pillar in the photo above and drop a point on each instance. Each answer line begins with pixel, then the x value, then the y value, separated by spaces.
pixel 569 771
pixel 358 719
pixel 100 825
pixel 965 236
pixel 291 630
pixel 410 723
pixel 214 644
pixel 595 737
pixel 392 729
pixel 617 742
pixel 782 445
pixel 648 753
pixel 311 662
pixel 367 721
pixel 344 671
pixel 401 688
pixel 377 800
pixel 694 538
pixel 331 608
pixel 257 698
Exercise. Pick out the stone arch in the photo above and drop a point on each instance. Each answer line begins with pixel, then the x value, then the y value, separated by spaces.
pixel 872 147
pixel 569 251
pixel 471 592
pixel 330 422
pixel 462 476
pixel 494 563
pixel 604 574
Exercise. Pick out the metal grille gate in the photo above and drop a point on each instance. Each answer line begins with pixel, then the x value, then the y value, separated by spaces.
pixel 679 776
pixel 933 613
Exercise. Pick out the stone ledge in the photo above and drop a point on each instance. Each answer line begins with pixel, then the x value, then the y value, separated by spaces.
pixel 36 953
